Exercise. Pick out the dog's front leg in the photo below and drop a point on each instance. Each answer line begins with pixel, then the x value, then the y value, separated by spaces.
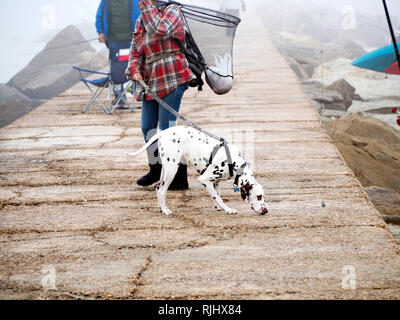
pixel 209 185
pixel 217 188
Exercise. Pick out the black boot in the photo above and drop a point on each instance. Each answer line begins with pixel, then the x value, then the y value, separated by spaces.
pixel 151 177
pixel 154 174
pixel 180 181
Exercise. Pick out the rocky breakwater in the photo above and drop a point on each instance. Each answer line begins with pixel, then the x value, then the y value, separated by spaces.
pixel 375 93
pixel 371 148
pixel 331 101
pixel 48 74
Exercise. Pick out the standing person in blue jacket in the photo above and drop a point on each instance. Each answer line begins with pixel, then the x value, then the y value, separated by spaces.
pixel 116 21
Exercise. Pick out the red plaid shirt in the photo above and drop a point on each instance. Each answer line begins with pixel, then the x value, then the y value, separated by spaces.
pixel 156 34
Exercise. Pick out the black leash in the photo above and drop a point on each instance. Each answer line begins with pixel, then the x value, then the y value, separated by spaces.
pixel 223 143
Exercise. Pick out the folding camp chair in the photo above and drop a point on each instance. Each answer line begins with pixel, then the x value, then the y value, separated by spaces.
pixel 115 80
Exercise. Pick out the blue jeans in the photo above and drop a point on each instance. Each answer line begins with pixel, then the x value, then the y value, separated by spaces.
pixel 153 114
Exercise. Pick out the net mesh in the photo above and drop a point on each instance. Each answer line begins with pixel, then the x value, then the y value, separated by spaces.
pixel 214 33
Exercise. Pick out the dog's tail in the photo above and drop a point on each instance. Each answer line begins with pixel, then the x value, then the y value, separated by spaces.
pixel 148 144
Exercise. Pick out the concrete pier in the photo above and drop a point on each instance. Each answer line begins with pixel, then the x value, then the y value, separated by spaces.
pixel 70 207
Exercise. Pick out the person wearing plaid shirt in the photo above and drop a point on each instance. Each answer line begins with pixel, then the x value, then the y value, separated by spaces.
pixel 155 57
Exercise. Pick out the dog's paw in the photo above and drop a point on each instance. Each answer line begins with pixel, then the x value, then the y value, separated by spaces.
pixel 167 212
pixel 231 211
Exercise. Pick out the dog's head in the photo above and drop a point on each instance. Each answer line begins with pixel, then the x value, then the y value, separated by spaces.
pixel 251 190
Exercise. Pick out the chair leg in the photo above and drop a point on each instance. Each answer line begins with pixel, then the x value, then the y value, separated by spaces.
pixel 121 97
pixel 94 98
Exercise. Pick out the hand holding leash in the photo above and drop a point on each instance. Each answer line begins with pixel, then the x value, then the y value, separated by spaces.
pixel 137 77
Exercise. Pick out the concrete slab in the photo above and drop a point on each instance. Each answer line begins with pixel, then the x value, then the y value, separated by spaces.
pixel 69 202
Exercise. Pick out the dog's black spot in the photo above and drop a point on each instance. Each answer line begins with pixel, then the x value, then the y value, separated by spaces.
pixel 168 159
pixel 223 164
pixel 174 140
pixel 173 160
pixel 214 198
pixel 204 185
pixel 163 183
pixel 162 154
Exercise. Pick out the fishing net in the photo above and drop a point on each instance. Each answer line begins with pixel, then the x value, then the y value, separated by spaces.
pixel 214 33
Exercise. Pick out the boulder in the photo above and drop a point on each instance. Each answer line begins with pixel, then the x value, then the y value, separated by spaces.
pixel 322 97
pixel 387 201
pixel 297 68
pixel 353 49
pixel 346 91
pixel 50 73
pixel 370 147
pixel 13 104
pixel 10 94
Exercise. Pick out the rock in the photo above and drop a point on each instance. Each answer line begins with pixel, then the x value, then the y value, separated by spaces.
pixel 341 68
pixel 345 89
pixel 50 72
pixel 10 94
pixel 354 49
pixel 323 98
pixel 387 201
pixel 370 147
pixel 374 90
pixel 308 65
pixel 298 69
pixel 13 104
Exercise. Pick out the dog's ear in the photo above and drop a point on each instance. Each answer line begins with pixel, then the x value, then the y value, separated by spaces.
pixel 245 191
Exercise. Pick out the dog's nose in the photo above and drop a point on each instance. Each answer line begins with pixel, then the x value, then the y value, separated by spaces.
pixel 264 211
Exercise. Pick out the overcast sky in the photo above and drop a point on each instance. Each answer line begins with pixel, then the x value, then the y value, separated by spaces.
pixel 24 22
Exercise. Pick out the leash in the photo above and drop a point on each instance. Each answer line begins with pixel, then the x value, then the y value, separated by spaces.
pixel 223 143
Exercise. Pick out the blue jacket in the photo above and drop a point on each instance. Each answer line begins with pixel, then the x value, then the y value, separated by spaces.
pixel 103 15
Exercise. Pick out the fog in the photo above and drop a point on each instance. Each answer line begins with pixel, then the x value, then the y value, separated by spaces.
pixel 26 26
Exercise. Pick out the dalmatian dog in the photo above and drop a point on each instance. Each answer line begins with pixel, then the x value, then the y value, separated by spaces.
pixel 189 146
